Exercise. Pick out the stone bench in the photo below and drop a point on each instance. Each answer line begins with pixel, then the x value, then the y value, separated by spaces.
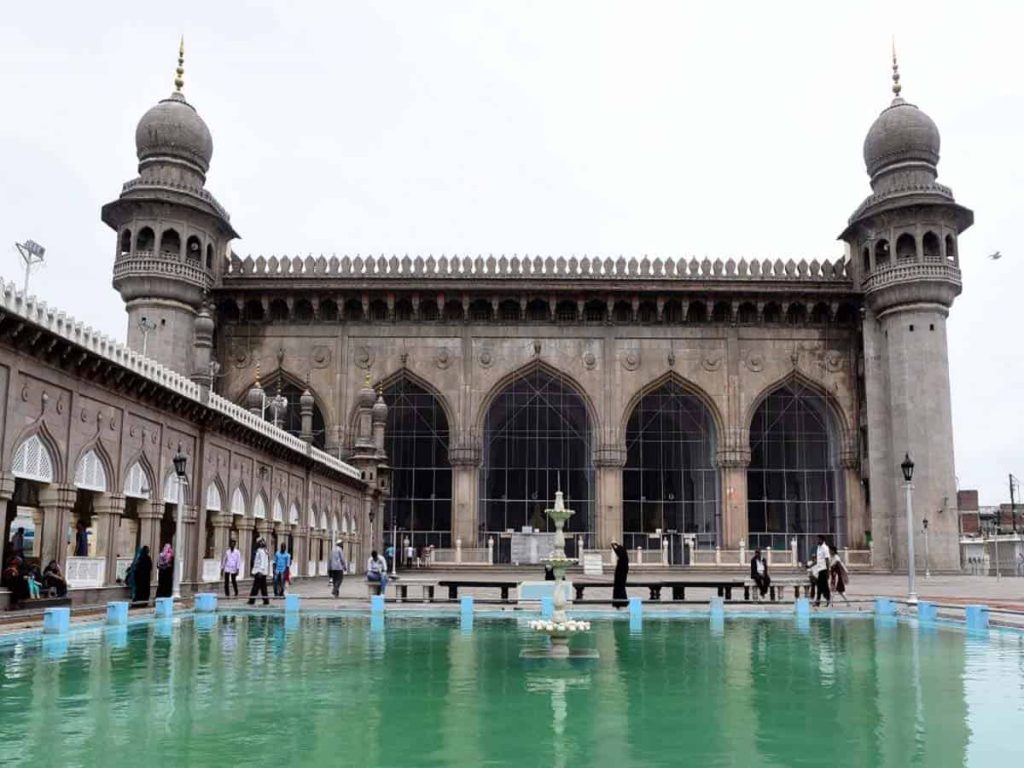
pixel 425 586
pixel 776 589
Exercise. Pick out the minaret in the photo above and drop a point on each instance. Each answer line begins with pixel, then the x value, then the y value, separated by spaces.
pixel 172 235
pixel 904 257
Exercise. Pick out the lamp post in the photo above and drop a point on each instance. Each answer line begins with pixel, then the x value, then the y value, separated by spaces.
pixel 927 566
pixel 908 474
pixel 32 253
pixel 179 462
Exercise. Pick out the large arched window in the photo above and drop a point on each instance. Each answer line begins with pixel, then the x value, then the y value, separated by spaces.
pixel 670 482
pixel 537 435
pixel 793 484
pixel 416 443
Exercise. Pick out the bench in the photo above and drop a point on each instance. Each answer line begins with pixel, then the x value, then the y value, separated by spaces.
pixel 373 587
pixel 723 587
pixel 426 589
pixel 776 588
pixel 455 585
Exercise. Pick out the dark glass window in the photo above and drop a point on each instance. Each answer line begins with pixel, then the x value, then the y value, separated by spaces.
pixel 536 438
pixel 792 482
pixel 416 442
pixel 670 481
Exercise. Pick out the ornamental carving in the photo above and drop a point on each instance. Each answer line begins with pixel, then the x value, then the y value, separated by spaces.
pixel 364 357
pixel 442 358
pixel 755 362
pixel 589 360
pixel 711 362
pixel 320 357
pixel 631 360
pixel 834 361
pixel 486 358
pixel 239 356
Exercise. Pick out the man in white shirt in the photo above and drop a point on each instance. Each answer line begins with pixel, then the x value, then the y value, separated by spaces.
pixel 260 569
pixel 377 571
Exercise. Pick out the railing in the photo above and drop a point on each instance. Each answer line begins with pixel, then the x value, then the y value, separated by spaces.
pixel 913 271
pixel 526 267
pixel 147 265
pixel 211 570
pixel 65 326
pixel 461 556
pixel 311 568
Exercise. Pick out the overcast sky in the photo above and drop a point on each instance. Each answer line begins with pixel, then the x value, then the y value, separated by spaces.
pixel 551 127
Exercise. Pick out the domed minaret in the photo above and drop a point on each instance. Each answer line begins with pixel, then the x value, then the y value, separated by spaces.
pixel 172 235
pixel 903 245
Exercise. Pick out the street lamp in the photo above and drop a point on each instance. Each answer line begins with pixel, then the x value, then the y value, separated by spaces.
pixel 179 462
pixel 908 474
pixel 278 406
pixel 927 566
pixel 32 253
pixel 146 326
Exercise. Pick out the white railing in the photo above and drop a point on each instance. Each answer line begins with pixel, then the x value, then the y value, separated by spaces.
pixel 322 567
pixel 85 571
pixel 461 556
pixel 65 326
pixel 121 568
pixel 211 570
pixel 518 268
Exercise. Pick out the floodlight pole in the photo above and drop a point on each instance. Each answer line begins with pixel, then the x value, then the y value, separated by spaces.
pixel 32 253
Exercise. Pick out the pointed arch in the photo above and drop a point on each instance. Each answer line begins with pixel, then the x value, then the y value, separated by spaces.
pixel 683 383
pixel 138 479
pixel 525 370
pixel 292 387
pixel 170 489
pixel 90 471
pixel 800 380
pixel 323 520
pixel 34 459
pixel 408 375
pixel 313 518
pixel 278 512
pixel 293 514
pixel 214 496
pixel 37 456
pixel 259 507
pixel 344 523
pixel 239 501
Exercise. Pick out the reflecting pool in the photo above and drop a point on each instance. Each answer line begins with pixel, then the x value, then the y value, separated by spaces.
pixel 262 690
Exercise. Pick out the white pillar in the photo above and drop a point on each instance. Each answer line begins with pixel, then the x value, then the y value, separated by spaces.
pixel 743 551
pixel 458 551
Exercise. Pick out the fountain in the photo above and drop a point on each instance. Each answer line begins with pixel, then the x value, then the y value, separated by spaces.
pixel 559 628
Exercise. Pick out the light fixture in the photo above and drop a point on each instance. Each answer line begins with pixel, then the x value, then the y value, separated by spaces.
pixel 908 468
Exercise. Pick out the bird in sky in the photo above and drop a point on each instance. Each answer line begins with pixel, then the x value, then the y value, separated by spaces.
pixel 996 256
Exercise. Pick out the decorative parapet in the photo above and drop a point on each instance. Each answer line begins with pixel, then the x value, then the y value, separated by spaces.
pixel 38 313
pixel 902 191
pixel 189 189
pixel 912 272
pixel 147 264
pixel 525 267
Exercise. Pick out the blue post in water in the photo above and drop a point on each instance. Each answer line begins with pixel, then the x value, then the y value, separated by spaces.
pixel 117 612
pixel 205 622
pixel 802 607
pixel 717 608
pixel 466 613
pixel 117 636
pixel 206 602
pixel 636 613
pixel 927 612
pixel 164 607
pixel 163 626
pixel 884 606
pixel 57 621
pixel 976 616
pixel 377 605
pixel 292 603
pixel 547 607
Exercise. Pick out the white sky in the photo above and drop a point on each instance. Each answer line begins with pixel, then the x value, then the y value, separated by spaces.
pixel 550 127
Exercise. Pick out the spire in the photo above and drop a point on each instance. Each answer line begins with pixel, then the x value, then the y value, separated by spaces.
pixel 179 73
pixel 896 87
pixel 367 380
pixel 257 374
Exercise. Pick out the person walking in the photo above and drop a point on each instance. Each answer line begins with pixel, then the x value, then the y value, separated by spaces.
pixel 821 570
pixel 839 575
pixel 282 560
pixel 231 564
pixel 759 574
pixel 389 558
pixel 165 572
pixel 619 596
pixel 377 571
pixel 336 567
pixel 142 575
pixel 18 544
pixel 81 540
pixel 260 568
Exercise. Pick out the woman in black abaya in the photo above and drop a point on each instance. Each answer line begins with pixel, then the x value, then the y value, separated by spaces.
pixel 619 597
pixel 142 575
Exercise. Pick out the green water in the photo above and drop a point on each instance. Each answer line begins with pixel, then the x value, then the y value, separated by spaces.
pixel 252 690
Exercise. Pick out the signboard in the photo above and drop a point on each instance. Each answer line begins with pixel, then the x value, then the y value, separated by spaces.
pixel 592 564
pixel 531 548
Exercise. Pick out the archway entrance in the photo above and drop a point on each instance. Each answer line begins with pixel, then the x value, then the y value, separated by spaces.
pixel 670 482
pixel 794 483
pixel 537 438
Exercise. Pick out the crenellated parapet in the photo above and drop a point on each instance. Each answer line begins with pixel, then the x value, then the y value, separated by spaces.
pixel 519 267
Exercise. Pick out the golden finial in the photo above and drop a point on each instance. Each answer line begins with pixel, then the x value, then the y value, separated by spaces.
pixel 367 379
pixel 179 73
pixel 258 374
pixel 896 87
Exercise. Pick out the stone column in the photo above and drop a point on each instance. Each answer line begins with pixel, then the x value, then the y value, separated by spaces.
pixel 734 522
pixel 149 526
pixel 9 510
pixel 856 513
pixel 465 462
pixel 56 502
pixel 221 523
pixel 609 461
pixel 107 510
pixel 245 526
pixel 187 545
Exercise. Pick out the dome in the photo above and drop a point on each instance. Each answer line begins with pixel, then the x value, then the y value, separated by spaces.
pixel 365 397
pixel 380 409
pixel 204 322
pixel 902 133
pixel 306 399
pixel 173 128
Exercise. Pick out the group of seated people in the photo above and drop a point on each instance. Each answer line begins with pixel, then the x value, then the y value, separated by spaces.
pixel 26 583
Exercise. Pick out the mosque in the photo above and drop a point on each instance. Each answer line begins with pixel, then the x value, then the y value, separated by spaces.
pixel 682 406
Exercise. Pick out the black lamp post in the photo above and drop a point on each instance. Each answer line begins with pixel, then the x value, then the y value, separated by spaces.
pixel 908 474
pixel 179 462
